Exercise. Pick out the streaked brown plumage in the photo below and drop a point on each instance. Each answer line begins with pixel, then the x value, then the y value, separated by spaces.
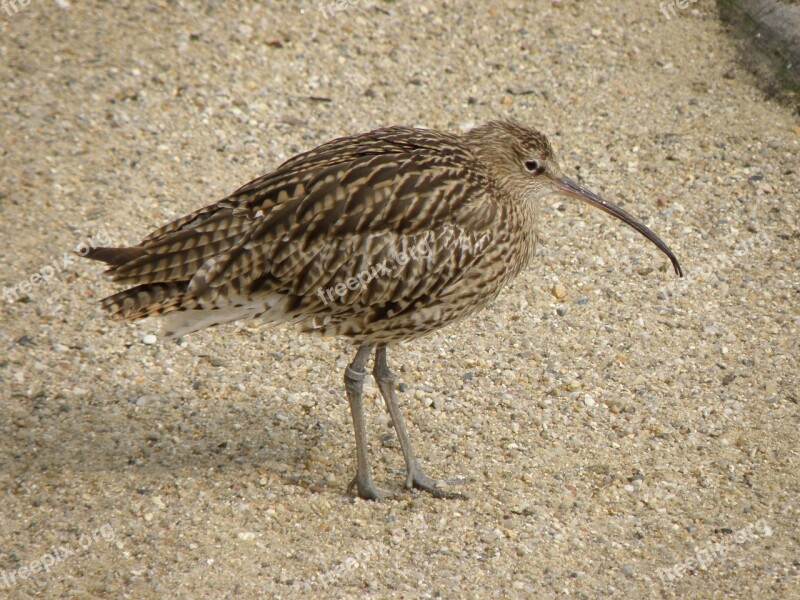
pixel 379 237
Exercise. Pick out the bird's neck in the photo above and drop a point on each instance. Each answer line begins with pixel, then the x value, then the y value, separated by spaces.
pixel 524 217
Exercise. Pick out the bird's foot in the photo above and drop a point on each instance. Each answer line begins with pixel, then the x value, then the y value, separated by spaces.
pixel 367 490
pixel 418 479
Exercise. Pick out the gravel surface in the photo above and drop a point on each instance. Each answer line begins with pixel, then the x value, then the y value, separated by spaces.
pixel 620 433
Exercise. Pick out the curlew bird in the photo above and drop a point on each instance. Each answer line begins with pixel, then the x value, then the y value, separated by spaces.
pixel 380 237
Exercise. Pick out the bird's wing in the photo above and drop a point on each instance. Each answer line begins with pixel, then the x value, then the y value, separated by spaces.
pixel 353 199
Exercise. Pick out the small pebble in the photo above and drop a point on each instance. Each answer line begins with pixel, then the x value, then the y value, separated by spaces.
pixel 559 291
pixel 149 339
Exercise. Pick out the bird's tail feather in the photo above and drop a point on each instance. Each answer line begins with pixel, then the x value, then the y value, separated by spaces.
pixel 148 300
pixel 115 256
pixel 145 300
pixel 185 311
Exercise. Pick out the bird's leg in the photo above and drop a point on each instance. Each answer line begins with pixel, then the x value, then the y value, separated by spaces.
pixel 416 477
pixel 354 383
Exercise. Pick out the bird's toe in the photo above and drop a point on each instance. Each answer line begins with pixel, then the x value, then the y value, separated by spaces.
pixel 419 480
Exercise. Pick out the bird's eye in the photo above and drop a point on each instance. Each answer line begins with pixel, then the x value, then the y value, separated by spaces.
pixel 533 166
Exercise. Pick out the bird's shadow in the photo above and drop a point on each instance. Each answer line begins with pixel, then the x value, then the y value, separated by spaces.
pixel 166 439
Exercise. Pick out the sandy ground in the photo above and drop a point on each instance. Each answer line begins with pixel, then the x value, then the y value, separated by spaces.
pixel 627 436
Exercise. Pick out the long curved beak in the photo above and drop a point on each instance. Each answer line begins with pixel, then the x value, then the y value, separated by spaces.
pixel 568 187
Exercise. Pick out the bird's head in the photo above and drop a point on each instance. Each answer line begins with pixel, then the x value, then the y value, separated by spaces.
pixel 524 165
